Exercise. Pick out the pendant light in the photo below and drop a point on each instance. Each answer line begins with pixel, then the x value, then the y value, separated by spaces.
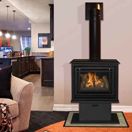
pixel 1 33
pixel 7 35
pixel 14 34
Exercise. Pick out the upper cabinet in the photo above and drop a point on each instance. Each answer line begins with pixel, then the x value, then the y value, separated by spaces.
pixel 52 21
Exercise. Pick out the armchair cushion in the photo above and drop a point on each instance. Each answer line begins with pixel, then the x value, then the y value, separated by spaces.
pixel 5 82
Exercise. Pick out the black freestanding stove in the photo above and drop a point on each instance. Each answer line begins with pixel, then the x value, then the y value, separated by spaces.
pixel 94 80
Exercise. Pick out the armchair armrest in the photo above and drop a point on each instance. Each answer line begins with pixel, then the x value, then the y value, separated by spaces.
pixel 22 92
pixel 17 87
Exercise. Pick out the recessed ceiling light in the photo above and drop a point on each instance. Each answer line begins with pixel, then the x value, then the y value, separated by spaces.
pixel 28 28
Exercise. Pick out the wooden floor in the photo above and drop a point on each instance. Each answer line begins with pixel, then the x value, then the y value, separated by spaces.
pixel 42 96
pixel 58 127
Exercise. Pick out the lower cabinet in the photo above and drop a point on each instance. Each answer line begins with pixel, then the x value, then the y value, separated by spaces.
pixel 16 69
pixel 4 62
pixel 24 65
pixel 34 68
pixel 47 72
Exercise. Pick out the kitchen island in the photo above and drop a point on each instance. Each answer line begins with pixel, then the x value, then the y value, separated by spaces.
pixel 21 65
pixel 24 65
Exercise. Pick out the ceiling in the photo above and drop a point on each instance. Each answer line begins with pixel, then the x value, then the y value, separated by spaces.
pixel 27 11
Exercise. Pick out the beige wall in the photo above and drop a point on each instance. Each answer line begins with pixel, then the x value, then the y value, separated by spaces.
pixel 72 38
pixel 35 29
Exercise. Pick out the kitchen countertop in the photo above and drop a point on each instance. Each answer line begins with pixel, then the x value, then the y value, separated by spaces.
pixel 17 57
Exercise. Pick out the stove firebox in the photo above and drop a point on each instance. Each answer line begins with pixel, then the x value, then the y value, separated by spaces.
pixel 94 80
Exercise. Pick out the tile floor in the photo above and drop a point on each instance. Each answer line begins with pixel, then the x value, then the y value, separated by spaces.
pixel 42 96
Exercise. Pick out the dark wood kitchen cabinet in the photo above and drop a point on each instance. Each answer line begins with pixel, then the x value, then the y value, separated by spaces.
pixel 47 73
pixel 34 68
pixel 52 21
pixel 22 66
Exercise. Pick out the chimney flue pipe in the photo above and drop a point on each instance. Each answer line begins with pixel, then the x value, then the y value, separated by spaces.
pixel 93 14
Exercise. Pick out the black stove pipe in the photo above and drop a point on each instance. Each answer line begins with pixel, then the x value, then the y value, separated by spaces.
pixel 95 34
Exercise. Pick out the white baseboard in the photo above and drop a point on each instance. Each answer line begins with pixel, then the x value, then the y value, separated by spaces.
pixel 74 107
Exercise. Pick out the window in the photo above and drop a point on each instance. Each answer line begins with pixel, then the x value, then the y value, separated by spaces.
pixel 25 42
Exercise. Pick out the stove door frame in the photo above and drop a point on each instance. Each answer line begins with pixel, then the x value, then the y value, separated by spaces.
pixel 78 95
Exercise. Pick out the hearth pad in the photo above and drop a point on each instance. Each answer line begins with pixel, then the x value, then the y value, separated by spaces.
pixel 117 120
